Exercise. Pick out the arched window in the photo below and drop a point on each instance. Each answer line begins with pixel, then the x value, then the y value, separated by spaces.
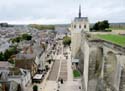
pixel 74 26
pixel 84 26
pixel 80 26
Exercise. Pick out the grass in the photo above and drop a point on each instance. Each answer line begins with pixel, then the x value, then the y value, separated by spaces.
pixel 76 73
pixel 117 39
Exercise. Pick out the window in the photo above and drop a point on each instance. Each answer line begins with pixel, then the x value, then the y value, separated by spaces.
pixel 84 26
pixel 80 26
pixel 74 26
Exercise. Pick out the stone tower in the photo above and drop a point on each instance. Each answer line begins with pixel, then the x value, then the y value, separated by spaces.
pixel 79 24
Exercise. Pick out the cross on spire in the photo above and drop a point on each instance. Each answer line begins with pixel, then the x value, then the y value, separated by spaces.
pixel 79 11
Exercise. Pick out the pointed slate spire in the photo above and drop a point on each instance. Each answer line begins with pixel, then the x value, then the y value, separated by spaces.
pixel 79 11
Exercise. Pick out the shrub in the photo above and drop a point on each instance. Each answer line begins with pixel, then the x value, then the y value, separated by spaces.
pixel 35 88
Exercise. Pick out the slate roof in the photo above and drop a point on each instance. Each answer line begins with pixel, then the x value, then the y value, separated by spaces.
pixel 77 19
pixel 25 63
pixel 24 56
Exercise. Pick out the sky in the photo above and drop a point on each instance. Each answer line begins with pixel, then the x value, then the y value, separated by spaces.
pixel 60 11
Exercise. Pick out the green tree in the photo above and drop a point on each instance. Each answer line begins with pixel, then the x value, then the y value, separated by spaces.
pixel 7 54
pixel 21 38
pixel 96 26
pixel 66 41
pixel 35 88
pixel 101 25
pixel 1 56
pixel 16 40
pixel 26 37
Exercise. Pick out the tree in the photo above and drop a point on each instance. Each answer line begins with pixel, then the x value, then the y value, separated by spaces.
pixel 26 37
pixel 9 52
pixel 96 26
pixel 16 40
pixel 35 88
pixel 1 56
pixel 101 25
pixel 21 38
pixel 67 41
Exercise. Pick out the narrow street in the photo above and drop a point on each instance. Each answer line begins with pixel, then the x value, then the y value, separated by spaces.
pixel 70 84
pixel 54 71
pixel 61 68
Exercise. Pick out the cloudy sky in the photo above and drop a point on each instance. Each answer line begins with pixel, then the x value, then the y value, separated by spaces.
pixel 60 11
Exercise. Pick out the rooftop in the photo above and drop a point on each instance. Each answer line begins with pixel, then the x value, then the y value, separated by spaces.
pixel 15 71
pixel 77 19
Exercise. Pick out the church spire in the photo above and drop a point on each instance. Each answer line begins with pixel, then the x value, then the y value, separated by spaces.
pixel 79 11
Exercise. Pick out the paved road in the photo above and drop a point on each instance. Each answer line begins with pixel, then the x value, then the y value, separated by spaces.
pixel 54 72
pixel 63 70
pixel 70 84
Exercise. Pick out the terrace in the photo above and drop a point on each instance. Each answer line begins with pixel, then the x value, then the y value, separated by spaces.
pixel 112 41
pixel 116 39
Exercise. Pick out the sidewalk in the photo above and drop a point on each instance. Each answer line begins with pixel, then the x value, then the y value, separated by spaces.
pixel 70 84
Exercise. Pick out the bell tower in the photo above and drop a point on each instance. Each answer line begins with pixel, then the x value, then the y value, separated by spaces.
pixel 78 25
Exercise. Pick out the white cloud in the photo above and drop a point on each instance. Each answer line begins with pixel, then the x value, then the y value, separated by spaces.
pixel 60 11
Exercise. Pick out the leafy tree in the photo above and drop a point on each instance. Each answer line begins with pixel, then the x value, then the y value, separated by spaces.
pixel 26 37
pixel 101 25
pixel 16 40
pixel 21 38
pixel 1 56
pixel 96 26
pixel 66 41
pixel 9 52
pixel 35 88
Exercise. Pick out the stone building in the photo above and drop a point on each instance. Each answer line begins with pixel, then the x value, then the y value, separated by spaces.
pixel 80 23
pixel 101 64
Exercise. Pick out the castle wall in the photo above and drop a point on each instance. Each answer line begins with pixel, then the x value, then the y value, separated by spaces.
pixel 103 65
pixel 85 49
pixel 75 42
